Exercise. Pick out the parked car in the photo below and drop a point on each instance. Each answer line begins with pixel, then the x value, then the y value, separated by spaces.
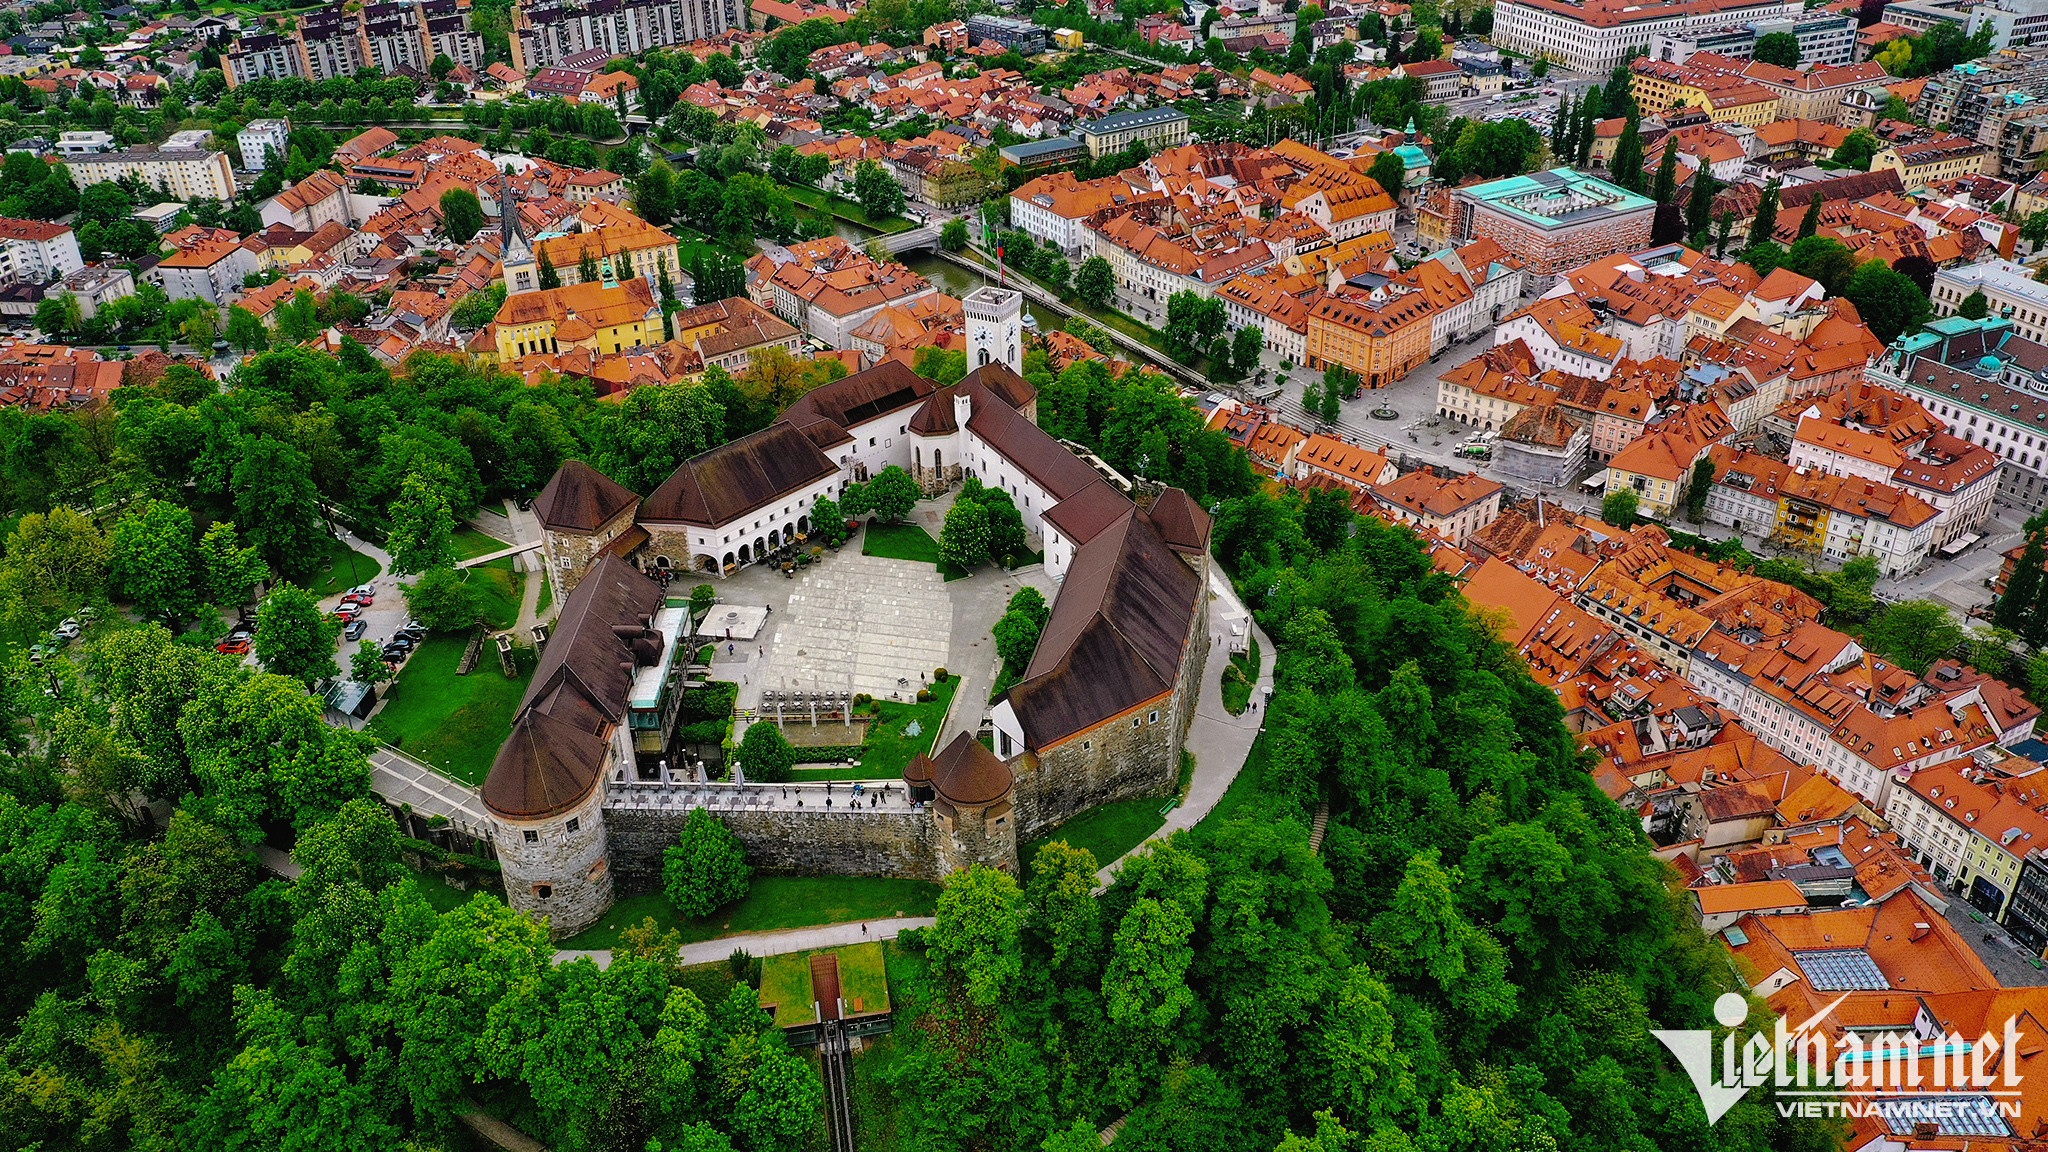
pixel 362 598
pixel 40 652
pixel 234 645
pixel 68 630
pixel 396 650
pixel 88 614
pixel 363 590
pixel 355 629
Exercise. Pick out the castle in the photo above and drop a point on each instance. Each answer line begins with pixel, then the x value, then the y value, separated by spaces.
pixel 583 792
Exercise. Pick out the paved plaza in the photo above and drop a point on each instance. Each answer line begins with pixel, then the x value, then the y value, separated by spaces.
pixel 859 624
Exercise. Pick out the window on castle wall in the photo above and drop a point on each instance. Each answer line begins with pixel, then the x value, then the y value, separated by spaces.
pixel 532 837
pixel 543 891
pixel 574 823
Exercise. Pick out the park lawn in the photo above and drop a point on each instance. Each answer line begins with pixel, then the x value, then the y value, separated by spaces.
pixel 772 904
pixel 862 976
pixel 900 542
pixel 437 891
pixel 786 983
pixel 341 569
pixel 471 543
pixel 498 587
pixel 547 596
pixel 888 749
pixel 453 722
pixel 1108 831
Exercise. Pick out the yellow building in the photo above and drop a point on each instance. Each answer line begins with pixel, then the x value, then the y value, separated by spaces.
pixel 1066 37
pixel 1752 105
pixel 622 251
pixel 604 318
pixel 1661 85
pixel 1934 161
pixel 1382 342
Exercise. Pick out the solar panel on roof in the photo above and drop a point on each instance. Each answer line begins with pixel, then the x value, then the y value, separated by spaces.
pixel 1841 970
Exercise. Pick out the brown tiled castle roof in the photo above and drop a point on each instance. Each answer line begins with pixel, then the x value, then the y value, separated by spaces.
pixel 556 752
pixel 965 773
pixel 581 499
pixel 723 484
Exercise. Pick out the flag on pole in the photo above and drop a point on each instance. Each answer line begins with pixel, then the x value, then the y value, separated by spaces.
pixel 999 265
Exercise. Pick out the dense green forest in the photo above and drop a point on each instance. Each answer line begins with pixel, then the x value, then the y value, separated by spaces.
pixel 1474 961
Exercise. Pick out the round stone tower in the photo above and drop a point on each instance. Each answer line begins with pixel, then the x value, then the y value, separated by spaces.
pixel 545 795
pixel 976 823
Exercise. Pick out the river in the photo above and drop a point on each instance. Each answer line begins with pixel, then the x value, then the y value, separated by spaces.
pixel 950 278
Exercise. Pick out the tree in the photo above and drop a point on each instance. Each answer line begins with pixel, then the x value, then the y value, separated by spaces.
pixel 1810 223
pixel 1697 488
pixel 1975 306
pixel 1823 258
pixel 1889 302
pixel 440 67
pixel 706 868
pixel 1699 209
pixel 366 664
pixel 1628 156
pixel 298 319
pixel 1095 282
pixel 1619 508
pixel 1016 635
pixel 277 506
pixel 1144 986
pixel 228 570
pixel 1245 346
pixel 1390 173
pixel 549 278
pixel 59 313
pixel 422 534
pixel 2015 607
pixel 828 522
pixel 294 637
pixel 765 755
pixel 879 194
pixel 1540 68
pixel 441 600
pixel 1857 149
pixel 953 234
pixel 1192 321
pixel 892 494
pixel 245 331
pixel 462 215
pixel 151 560
pixel 975 937
pixel 1766 221
pixel 963 540
pixel 1915 633
pixel 1780 48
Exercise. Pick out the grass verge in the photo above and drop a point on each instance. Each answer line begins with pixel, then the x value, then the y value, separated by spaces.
pixel 786 983
pixel 772 904
pixel 547 596
pixel 471 543
pixel 438 893
pixel 1243 791
pixel 1108 831
pixel 846 209
pixel 1239 677
pixel 453 722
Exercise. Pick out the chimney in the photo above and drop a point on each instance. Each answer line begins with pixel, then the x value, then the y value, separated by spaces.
pixel 1920 930
pixel 963 407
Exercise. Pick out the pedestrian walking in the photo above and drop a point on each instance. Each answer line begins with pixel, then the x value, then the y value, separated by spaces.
pixel 728 649
pixel 863 929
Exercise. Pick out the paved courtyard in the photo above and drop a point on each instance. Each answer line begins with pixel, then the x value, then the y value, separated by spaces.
pixel 859 624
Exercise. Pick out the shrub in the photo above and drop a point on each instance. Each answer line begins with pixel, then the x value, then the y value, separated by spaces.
pixel 765 755
pixel 924 695
pixel 939 676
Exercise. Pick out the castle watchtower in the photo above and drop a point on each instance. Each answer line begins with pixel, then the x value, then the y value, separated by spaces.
pixel 995 328
pixel 971 806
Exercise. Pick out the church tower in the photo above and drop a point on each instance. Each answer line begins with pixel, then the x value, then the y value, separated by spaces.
pixel 995 328
pixel 522 271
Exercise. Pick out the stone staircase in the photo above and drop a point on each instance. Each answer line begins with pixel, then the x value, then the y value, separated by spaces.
pixel 1316 830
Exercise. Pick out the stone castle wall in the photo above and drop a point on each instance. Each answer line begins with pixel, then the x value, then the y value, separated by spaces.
pixel 976 835
pixel 841 842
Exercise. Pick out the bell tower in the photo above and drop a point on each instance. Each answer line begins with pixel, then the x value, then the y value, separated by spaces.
pixel 995 328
